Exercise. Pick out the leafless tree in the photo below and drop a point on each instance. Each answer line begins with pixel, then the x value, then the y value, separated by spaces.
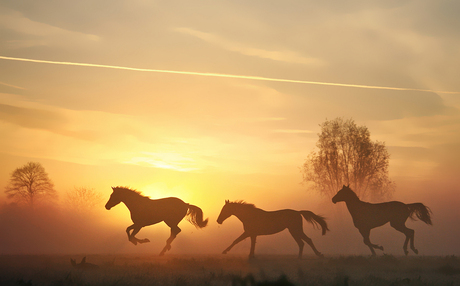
pixel 347 156
pixel 83 199
pixel 29 184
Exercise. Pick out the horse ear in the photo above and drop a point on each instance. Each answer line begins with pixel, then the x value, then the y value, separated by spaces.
pixel 348 186
pixel 226 201
pixel 343 186
pixel 113 188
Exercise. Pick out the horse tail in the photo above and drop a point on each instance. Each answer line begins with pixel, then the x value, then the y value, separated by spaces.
pixel 315 220
pixel 195 216
pixel 421 211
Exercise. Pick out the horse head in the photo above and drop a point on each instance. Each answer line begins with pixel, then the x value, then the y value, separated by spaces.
pixel 114 199
pixel 225 213
pixel 344 194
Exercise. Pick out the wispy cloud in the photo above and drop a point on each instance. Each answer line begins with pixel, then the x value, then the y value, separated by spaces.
pixel 283 56
pixel 228 76
pixel 33 33
pixel 164 160
pixel 293 131
pixel 10 85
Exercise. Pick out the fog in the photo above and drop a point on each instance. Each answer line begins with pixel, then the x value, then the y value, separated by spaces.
pixel 52 229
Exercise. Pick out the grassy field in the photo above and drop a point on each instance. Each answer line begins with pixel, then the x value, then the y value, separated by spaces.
pixel 229 270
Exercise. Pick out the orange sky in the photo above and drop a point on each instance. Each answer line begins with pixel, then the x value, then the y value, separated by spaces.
pixel 207 139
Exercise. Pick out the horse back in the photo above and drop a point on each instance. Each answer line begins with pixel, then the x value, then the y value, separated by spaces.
pixel 263 222
pixel 371 215
pixel 157 210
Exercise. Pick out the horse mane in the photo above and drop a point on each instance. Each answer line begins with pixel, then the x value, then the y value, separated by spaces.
pixel 128 190
pixel 243 203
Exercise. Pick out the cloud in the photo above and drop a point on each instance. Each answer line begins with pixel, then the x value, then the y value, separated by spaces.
pixel 293 131
pixel 282 56
pixel 31 118
pixel 29 33
pixel 13 86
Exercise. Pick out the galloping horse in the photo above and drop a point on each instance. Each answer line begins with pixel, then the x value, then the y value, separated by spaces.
pixel 145 211
pixel 367 216
pixel 259 222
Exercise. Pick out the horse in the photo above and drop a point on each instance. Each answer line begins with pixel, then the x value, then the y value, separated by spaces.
pixel 367 216
pixel 145 211
pixel 259 222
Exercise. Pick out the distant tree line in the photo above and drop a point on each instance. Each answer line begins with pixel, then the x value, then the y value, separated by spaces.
pixel 31 184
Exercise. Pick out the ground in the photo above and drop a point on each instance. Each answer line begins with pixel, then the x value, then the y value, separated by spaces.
pixel 229 270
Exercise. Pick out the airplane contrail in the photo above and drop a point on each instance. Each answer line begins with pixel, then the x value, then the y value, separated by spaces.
pixel 226 75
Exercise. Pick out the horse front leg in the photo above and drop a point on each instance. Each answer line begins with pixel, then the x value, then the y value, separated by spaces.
pixel 366 233
pixel 239 239
pixel 174 232
pixel 131 236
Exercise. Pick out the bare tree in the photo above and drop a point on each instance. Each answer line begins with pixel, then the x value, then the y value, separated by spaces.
pixel 83 199
pixel 29 184
pixel 347 156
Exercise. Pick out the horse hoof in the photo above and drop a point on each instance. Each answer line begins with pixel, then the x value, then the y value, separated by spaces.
pixel 224 252
pixel 133 242
pixel 145 240
pixel 415 251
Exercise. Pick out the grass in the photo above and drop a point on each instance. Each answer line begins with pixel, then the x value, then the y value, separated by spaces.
pixel 230 270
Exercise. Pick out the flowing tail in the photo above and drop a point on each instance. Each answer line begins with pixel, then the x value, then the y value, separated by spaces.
pixel 421 211
pixel 195 216
pixel 315 220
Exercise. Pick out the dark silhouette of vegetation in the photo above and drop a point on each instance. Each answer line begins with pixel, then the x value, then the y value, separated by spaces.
pixel 83 264
pixel 250 280
pixel 145 211
pixel 367 216
pixel 29 184
pixel 259 222
pixel 346 155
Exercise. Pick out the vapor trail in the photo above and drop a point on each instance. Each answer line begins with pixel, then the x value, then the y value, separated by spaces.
pixel 226 75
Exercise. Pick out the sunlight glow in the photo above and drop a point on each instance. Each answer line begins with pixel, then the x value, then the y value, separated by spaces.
pixel 173 161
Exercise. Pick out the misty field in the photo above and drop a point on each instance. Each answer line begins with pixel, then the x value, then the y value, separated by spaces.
pixel 229 270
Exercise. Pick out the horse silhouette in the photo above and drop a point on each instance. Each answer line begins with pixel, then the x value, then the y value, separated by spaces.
pixel 259 222
pixel 367 216
pixel 145 211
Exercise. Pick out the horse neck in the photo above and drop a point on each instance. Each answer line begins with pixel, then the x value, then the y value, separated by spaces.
pixel 132 201
pixel 241 212
pixel 353 204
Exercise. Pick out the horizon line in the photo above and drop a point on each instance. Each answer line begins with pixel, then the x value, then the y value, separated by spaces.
pixel 226 75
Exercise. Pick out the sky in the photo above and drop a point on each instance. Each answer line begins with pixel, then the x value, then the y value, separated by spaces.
pixel 216 100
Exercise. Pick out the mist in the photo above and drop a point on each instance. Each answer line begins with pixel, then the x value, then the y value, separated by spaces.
pixel 54 229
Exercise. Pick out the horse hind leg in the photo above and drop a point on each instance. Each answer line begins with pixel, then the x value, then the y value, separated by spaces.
pixel 174 232
pixel 298 238
pixel 409 233
pixel 309 241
